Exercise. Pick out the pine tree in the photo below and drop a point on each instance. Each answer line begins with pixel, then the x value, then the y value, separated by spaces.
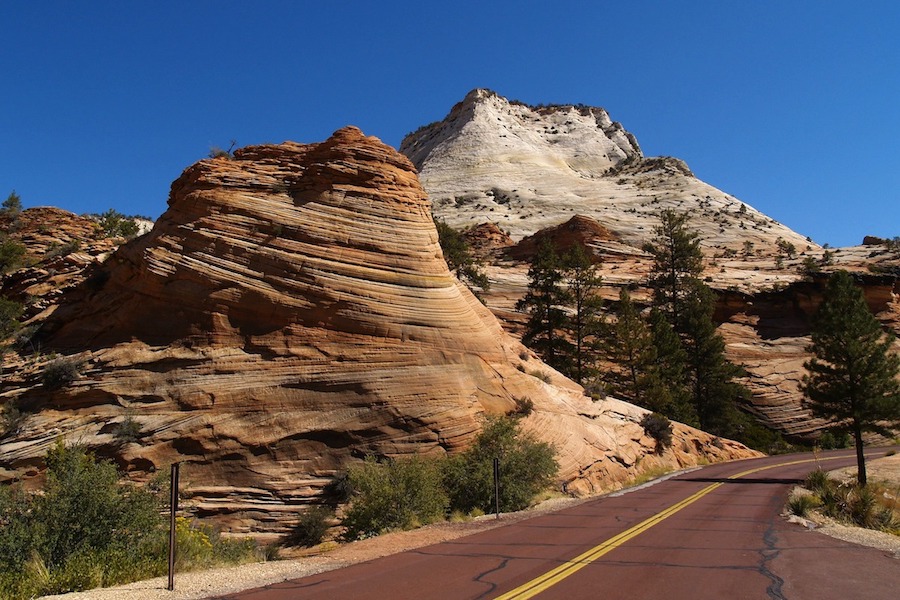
pixel 852 379
pixel 677 259
pixel 630 348
pixel 688 304
pixel 13 204
pixel 715 393
pixel 667 391
pixel 545 302
pixel 583 285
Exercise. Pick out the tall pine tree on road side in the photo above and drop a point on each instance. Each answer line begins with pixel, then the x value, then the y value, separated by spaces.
pixel 852 379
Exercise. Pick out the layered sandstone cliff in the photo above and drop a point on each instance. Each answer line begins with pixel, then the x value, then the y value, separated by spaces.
pixel 291 311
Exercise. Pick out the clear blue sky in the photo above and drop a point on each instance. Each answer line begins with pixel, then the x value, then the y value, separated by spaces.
pixel 793 106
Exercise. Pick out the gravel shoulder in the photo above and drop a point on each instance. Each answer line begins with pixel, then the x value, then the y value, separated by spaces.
pixel 226 580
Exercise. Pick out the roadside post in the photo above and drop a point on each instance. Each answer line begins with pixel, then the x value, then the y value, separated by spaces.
pixel 497 487
pixel 173 507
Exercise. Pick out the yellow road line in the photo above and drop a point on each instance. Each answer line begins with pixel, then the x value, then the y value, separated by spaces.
pixel 554 576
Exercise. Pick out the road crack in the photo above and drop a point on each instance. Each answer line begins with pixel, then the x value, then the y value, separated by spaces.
pixel 768 554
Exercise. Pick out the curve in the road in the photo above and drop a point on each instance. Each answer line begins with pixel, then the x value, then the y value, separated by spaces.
pixel 554 576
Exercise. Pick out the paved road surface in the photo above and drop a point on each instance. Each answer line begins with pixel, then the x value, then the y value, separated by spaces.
pixel 711 534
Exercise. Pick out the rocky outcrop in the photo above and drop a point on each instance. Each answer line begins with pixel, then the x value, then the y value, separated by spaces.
pixel 59 247
pixel 487 239
pixel 290 312
pixel 529 168
pixel 578 231
pixel 552 173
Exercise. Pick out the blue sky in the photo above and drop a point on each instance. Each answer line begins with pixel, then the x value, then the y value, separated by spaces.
pixel 790 106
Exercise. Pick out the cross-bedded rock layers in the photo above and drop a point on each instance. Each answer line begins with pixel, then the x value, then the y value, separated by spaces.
pixel 292 311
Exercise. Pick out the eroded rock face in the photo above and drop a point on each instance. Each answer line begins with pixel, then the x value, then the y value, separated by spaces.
pixel 557 173
pixel 578 231
pixel 291 311
pixel 529 168
pixel 60 246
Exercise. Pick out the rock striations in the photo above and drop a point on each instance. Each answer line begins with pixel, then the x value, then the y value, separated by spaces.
pixel 291 311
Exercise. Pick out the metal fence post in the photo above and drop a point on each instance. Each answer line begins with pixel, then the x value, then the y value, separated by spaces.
pixel 497 487
pixel 173 507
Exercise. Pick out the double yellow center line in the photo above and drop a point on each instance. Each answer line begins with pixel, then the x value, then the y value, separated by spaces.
pixel 554 576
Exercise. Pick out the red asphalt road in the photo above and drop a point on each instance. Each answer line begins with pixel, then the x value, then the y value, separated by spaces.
pixel 729 544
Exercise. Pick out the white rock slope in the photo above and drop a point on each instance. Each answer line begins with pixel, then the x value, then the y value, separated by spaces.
pixel 526 168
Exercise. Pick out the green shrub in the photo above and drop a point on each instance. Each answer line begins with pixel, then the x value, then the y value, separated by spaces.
pixel 10 313
pixel 830 440
pixel 115 224
pixel 395 494
pixel 84 507
pixel 659 428
pixel 527 466
pixel 11 255
pixel 11 419
pixel 817 481
pixel 128 431
pixel 60 372
pixel 87 529
pixel 311 527
pixel 801 505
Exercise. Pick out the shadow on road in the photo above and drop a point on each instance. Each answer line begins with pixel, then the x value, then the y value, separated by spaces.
pixel 745 480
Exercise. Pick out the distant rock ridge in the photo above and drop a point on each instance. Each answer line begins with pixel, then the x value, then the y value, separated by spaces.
pixel 527 168
pixel 289 313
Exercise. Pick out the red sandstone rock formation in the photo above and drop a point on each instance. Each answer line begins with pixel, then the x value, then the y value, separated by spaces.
pixel 579 230
pixel 291 311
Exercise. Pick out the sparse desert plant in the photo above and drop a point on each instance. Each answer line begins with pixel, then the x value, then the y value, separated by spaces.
pixel 311 527
pixel 10 313
pixel 59 250
pixel 524 406
pixel 659 428
pixel 861 506
pixel 540 375
pixel 129 430
pixel 801 504
pixel 817 481
pixel 60 372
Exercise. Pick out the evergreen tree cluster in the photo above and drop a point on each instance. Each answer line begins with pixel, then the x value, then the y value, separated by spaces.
pixel 564 311
pixel 671 361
